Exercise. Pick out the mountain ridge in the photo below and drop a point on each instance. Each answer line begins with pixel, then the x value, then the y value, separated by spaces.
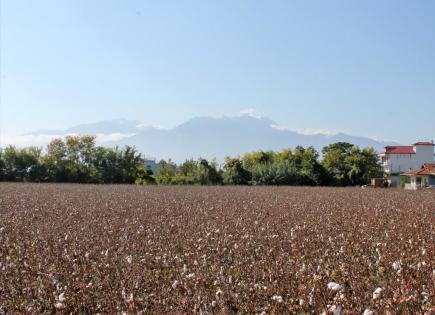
pixel 209 137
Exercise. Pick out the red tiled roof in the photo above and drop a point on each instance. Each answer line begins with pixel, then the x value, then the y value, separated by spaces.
pixel 426 169
pixel 424 143
pixel 399 150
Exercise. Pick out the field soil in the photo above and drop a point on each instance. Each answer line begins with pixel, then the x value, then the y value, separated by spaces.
pixel 87 249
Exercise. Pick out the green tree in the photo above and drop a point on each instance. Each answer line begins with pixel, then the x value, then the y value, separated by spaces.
pixel 207 173
pixel 107 163
pixel 372 167
pixel 37 172
pixel 284 155
pixel 22 164
pixel 334 157
pixel 132 164
pixel 55 161
pixel 252 158
pixel 186 173
pixel 347 164
pixel 310 170
pixel 71 160
pixel 234 173
pixel 2 165
pixel 77 159
pixel 79 155
pixel 275 173
pixel 144 176
pixel 165 173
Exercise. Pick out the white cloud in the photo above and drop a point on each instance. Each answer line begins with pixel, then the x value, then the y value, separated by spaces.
pixel 143 126
pixel 42 140
pixel 160 127
pixel 251 112
pixel 308 131
pixel 215 116
pixel 327 132
pixel 381 139
pixel 101 137
pixel 27 140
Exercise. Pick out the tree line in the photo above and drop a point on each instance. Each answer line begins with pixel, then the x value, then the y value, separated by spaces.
pixel 77 159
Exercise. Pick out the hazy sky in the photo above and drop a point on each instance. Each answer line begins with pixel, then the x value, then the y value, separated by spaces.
pixel 365 67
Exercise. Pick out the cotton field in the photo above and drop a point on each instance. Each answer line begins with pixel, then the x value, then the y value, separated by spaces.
pixel 215 250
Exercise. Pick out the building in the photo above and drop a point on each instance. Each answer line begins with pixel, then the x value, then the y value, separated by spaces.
pixel 421 177
pixel 396 160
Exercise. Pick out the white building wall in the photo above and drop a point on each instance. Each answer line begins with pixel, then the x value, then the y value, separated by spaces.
pixel 424 154
pixel 400 163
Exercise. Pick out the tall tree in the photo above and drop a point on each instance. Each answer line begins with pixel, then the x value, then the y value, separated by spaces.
pixel 348 165
pixel 207 173
pixel 165 173
pixel 234 173
pixel 22 164
pixel 2 165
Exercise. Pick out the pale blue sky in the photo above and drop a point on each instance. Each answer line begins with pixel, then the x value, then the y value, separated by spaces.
pixel 365 67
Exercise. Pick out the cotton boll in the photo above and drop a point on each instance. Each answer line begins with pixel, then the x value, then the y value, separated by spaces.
pixel 130 298
pixel 174 284
pixel 396 265
pixel 219 293
pixel 334 286
pixel 61 297
pixel 59 305
pixel 377 293
pixel 277 298
pixel 141 229
pixel 129 259
pixel 337 310
pixel 425 296
pixel 368 312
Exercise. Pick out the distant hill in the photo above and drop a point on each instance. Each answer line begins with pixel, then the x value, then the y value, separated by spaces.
pixel 122 126
pixel 208 137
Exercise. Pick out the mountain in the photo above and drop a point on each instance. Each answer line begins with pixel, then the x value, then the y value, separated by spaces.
pixel 122 126
pixel 209 137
